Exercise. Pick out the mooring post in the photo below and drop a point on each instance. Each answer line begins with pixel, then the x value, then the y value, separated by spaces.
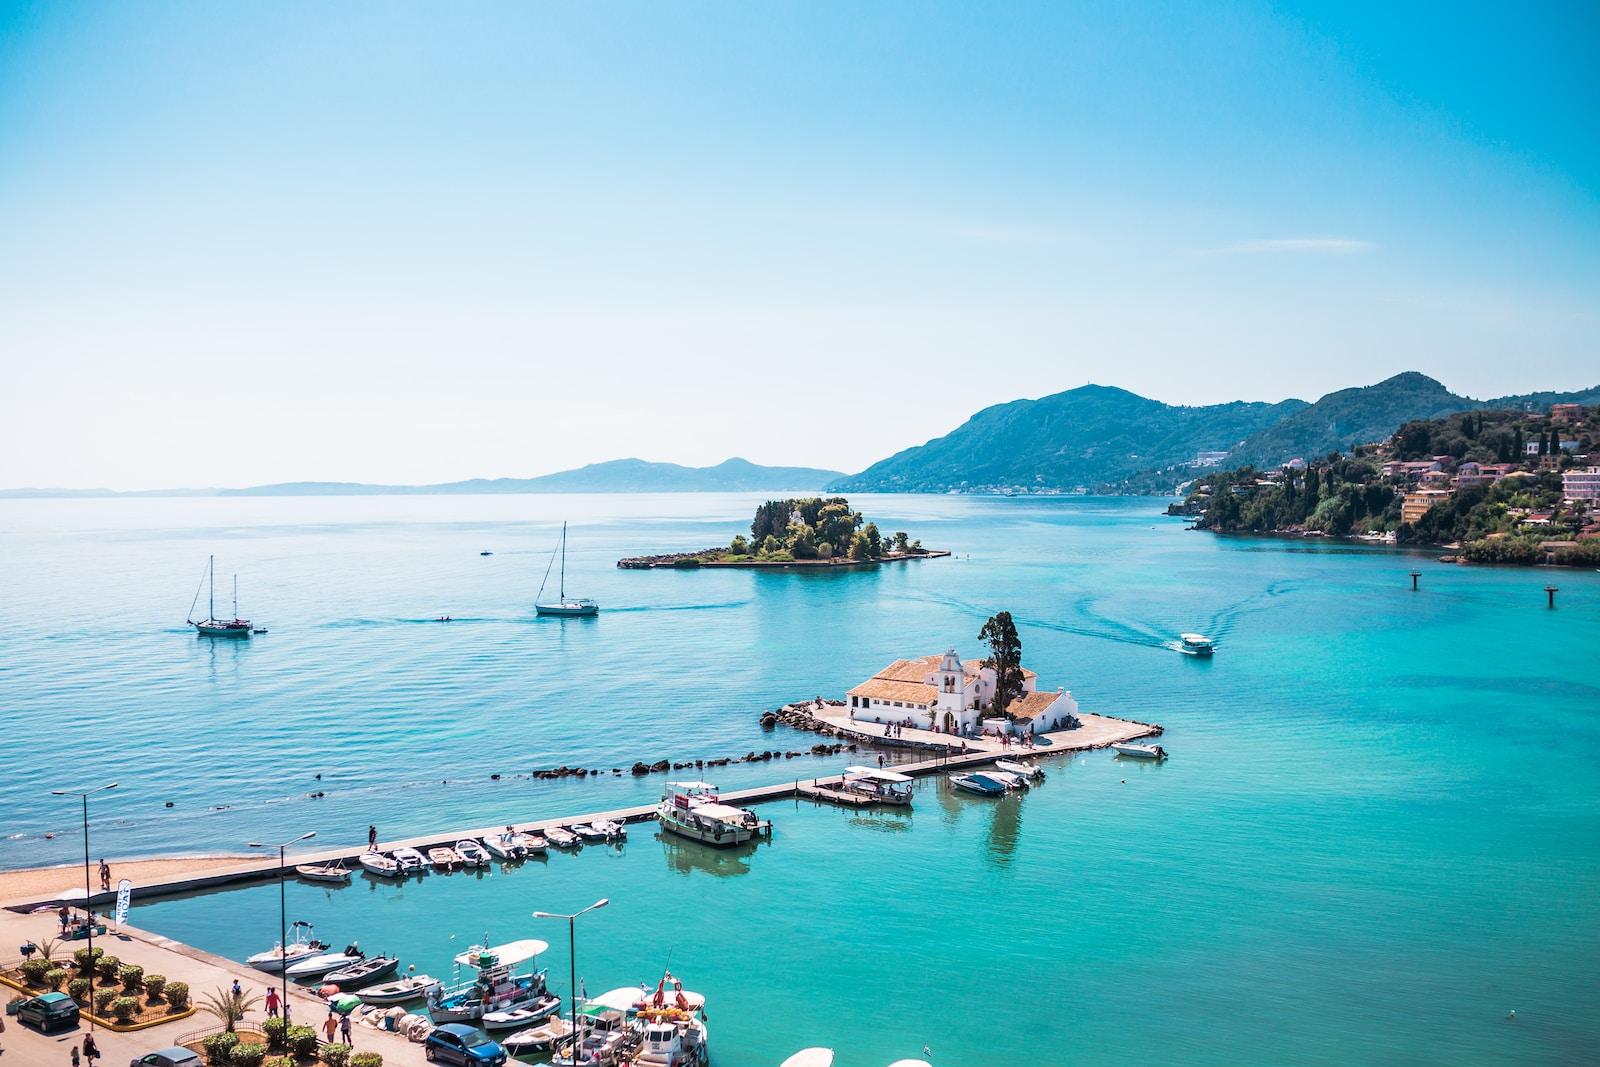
pixel 1550 591
pixel 1414 576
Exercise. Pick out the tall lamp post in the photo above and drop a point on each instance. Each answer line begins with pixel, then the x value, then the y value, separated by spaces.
pixel 283 924
pixel 572 953
pixel 84 795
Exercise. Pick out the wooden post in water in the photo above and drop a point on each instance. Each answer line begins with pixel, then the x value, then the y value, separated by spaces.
pixel 1550 591
pixel 1414 576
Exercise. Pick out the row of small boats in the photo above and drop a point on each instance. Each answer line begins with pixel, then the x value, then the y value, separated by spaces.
pixel 467 853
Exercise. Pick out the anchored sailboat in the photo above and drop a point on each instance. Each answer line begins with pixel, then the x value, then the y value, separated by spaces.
pixel 211 626
pixel 563 605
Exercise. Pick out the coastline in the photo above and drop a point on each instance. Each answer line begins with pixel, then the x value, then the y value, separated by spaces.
pixel 1451 553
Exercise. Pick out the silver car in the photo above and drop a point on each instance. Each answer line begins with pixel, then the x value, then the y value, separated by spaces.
pixel 168 1057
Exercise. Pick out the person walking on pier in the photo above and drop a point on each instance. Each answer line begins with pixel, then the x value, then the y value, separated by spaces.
pixel 272 1002
pixel 372 839
pixel 330 1026
pixel 105 876
pixel 91 1051
pixel 344 1031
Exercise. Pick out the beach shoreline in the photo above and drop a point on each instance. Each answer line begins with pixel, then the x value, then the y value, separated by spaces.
pixel 38 882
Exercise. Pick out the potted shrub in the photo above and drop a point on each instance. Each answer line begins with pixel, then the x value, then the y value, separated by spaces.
pixel 153 985
pixel 123 1009
pixel 132 976
pixel 219 1047
pixel 366 1059
pixel 336 1056
pixel 248 1055
pixel 177 995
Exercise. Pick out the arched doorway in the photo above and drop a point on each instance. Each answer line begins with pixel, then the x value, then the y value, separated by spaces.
pixel 949 722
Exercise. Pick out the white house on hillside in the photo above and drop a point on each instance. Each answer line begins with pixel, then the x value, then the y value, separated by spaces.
pixel 945 694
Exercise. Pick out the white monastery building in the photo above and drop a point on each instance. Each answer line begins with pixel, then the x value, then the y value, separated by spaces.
pixel 945 694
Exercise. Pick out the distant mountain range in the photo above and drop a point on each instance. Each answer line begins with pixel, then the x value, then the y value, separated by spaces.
pixel 616 476
pixel 1103 439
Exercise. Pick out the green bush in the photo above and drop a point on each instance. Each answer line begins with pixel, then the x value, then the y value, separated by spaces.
pixel 123 1009
pixel 153 985
pixel 336 1056
pixel 34 970
pixel 103 999
pixel 82 956
pixel 132 976
pixel 177 995
pixel 366 1059
pixel 273 1028
pixel 107 966
pixel 55 976
pixel 78 989
pixel 302 1041
pixel 219 1047
pixel 280 1061
pixel 249 1055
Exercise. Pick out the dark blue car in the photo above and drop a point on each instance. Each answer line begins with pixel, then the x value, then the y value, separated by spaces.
pixel 457 1043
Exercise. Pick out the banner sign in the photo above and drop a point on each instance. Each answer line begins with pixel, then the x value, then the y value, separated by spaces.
pixel 124 892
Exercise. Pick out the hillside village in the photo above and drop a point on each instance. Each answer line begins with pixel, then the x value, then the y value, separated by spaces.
pixel 1500 486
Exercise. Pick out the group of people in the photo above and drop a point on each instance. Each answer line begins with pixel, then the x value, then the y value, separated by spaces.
pixel 335 1027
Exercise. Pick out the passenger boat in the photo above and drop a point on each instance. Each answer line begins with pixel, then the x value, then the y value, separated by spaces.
pixel 507 846
pixel 672 1028
pixel 471 853
pixel 1025 768
pixel 1196 645
pixel 211 626
pixel 276 958
pixel 534 1039
pixel 362 972
pixel 495 988
pixel 444 858
pixel 563 605
pixel 379 864
pixel 400 991
pixel 410 860
pixel 561 837
pixel 530 1014
pixel 1155 752
pixel 692 810
pixel 322 963
pixel 976 782
pixel 810 1057
pixel 334 873
pixel 883 787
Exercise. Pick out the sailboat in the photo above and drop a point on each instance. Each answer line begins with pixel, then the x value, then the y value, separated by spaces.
pixel 564 604
pixel 212 626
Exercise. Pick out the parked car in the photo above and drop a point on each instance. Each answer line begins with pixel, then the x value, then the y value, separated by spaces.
pixel 52 1011
pixel 168 1057
pixel 464 1046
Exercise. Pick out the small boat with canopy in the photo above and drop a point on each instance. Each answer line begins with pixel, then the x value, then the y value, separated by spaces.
pixel 878 785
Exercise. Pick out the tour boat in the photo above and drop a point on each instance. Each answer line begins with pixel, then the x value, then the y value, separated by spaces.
pixel 561 837
pixel 495 988
pixel 534 1039
pixel 382 866
pixel 563 605
pixel 506 846
pixel 692 810
pixel 810 1057
pixel 276 958
pixel 471 853
pixel 976 782
pixel 411 987
pixel 1155 752
pixel 884 787
pixel 1196 645
pixel 322 963
pixel 1025 768
pixel 410 860
pixel 335 873
pixel 211 626
pixel 362 972
pixel 529 1014
pixel 444 858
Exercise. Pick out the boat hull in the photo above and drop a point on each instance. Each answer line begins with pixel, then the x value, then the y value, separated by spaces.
pixel 724 837
pixel 222 629
pixel 567 610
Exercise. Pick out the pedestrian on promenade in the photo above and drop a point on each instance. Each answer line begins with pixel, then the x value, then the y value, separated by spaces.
pixel 344 1031
pixel 76 1061
pixel 238 990
pixel 330 1026
pixel 272 1002
pixel 105 876
pixel 91 1051
pixel 372 839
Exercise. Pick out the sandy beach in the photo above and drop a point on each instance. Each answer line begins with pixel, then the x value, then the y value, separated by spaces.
pixel 42 881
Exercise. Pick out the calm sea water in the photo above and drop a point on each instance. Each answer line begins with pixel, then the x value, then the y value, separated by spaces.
pixel 1379 832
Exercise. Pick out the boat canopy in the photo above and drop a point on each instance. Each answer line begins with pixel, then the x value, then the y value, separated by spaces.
pixel 721 812
pixel 810 1057
pixel 622 999
pixel 508 955
pixel 694 787
pixel 1196 639
pixel 878 776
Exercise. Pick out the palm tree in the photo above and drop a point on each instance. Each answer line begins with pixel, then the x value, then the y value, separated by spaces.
pixel 227 1006
pixel 48 949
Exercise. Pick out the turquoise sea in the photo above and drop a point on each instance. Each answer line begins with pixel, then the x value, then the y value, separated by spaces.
pixel 1378 834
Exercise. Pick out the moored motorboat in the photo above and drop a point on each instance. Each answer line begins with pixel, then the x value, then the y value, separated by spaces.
pixel 1013 782
pixel 333 873
pixel 588 831
pixel 561 837
pixel 1196 645
pixel 379 864
pixel 877 785
pixel 534 1039
pixel 400 991
pixel 534 843
pixel 1155 752
pixel 1026 768
pixel 610 829
pixel 495 988
pixel 410 860
pixel 472 853
pixel 975 782
pixel 362 973
pixel 534 1012
pixel 509 845
pixel 322 963
pixel 692 810
pixel 444 858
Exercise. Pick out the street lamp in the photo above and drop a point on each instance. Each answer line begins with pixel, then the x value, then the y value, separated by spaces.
pixel 283 925
pixel 84 794
pixel 572 956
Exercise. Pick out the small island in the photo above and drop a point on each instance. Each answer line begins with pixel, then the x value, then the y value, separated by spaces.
pixel 802 532
pixel 1494 486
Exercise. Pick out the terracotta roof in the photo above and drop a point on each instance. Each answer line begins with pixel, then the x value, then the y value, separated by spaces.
pixel 910 670
pixel 1030 704
pixel 887 689
pixel 973 666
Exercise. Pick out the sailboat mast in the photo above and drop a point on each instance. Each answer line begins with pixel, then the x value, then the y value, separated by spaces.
pixel 236 596
pixel 211 597
pixel 563 562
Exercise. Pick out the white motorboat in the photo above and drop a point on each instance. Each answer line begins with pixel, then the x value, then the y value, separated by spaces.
pixel 977 782
pixel 1196 645
pixel 1133 751
pixel 810 1057
pixel 613 830
pixel 363 972
pixel 279 956
pixel 564 604
pixel 1025 768
pixel 332 874
pixel 411 861
pixel 379 864
pixel 533 843
pixel 539 1038
pixel 495 988
pixel 692 810
pixel 1015 783
pixel 472 853
pixel 881 786
pixel 588 831
pixel 529 1014
pixel 320 964
pixel 211 626
pixel 561 837
pixel 506 846
pixel 400 991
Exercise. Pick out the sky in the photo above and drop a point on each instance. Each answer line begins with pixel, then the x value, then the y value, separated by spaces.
pixel 389 242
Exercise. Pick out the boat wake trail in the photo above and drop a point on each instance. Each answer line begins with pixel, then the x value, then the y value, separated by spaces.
pixel 723 606
pixel 1224 619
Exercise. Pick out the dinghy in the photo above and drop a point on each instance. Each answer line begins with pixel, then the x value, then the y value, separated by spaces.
pixel 526 1015
pixel 561 837
pixel 506 846
pixel 411 861
pixel 471 853
pixel 363 972
pixel 1025 768
pixel 539 1038
pixel 379 864
pixel 334 874
pixel 400 991
pixel 444 858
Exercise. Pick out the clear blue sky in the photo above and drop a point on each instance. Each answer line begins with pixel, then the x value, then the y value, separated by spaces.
pixel 394 242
